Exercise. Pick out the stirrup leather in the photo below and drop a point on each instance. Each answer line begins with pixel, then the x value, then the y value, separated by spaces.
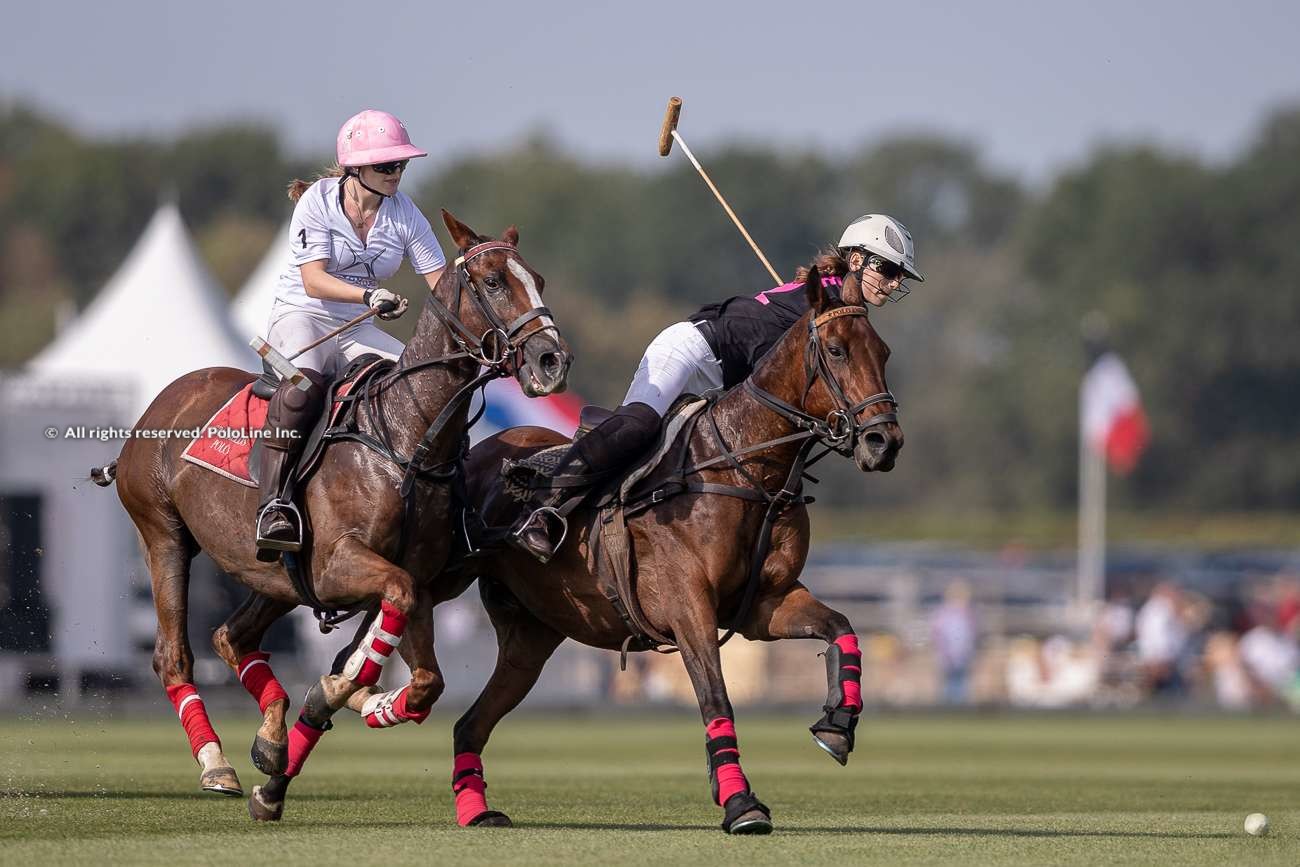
pixel 287 508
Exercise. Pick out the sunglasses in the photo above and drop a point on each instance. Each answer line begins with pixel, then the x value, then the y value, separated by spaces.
pixel 390 168
pixel 886 269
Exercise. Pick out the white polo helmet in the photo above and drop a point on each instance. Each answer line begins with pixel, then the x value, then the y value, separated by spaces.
pixel 886 237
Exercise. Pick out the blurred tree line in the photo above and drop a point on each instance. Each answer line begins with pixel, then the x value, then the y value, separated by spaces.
pixel 1196 267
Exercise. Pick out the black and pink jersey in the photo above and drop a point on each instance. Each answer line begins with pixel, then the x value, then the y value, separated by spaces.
pixel 745 327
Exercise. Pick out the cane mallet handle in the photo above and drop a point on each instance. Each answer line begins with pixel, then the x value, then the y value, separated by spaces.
pixel 670 125
pixel 344 327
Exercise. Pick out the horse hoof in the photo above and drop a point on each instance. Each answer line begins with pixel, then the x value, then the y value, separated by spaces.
pixel 753 822
pixel 221 781
pixel 490 819
pixel 836 745
pixel 261 811
pixel 746 814
pixel 269 757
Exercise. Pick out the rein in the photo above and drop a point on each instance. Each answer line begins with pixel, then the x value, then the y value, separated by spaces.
pixel 494 350
pixel 836 432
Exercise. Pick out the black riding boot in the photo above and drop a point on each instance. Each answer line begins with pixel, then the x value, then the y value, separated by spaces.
pixel 609 447
pixel 289 418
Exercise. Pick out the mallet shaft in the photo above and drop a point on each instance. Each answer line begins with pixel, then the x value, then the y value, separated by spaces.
pixel 344 327
pixel 722 201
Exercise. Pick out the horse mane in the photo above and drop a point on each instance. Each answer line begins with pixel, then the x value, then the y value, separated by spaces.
pixel 828 261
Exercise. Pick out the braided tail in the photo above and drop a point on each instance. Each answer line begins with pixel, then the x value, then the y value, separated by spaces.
pixel 104 476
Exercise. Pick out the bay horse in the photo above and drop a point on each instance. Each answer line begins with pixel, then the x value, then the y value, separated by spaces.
pixel 691 552
pixel 378 506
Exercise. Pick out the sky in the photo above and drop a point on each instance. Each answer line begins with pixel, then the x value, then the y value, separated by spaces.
pixel 1034 86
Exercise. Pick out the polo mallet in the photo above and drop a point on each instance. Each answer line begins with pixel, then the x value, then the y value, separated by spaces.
pixel 285 366
pixel 667 134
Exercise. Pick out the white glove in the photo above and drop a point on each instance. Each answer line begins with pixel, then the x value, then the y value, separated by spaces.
pixel 389 304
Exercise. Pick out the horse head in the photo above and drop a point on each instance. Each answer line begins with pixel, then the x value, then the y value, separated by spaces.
pixel 504 315
pixel 845 364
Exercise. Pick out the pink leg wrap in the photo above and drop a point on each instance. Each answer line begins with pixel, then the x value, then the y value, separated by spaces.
pixel 382 639
pixel 468 784
pixel 852 663
pixel 194 717
pixel 302 740
pixel 256 676
pixel 389 709
pixel 724 758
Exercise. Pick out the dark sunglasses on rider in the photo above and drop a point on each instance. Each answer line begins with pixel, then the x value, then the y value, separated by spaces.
pixel 886 269
pixel 390 168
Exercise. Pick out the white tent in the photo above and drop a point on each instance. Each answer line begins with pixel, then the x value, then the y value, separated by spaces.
pixel 160 316
pixel 252 306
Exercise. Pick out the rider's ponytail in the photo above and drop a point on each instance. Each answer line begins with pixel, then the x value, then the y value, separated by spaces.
pixel 828 261
pixel 298 186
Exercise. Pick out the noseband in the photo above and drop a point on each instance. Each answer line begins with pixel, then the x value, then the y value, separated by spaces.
pixel 841 428
pixel 496 346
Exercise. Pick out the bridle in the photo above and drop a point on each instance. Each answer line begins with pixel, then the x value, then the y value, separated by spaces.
pixel 500 343
pixel 841 427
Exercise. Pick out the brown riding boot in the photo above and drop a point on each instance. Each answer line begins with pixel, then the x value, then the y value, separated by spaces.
pixel 289 417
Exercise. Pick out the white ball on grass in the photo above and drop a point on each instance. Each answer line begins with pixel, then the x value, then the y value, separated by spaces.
pixel 1257 824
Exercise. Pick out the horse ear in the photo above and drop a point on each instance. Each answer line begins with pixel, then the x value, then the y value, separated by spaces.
pixel 511 236
pixel 462 235
pixel 812 287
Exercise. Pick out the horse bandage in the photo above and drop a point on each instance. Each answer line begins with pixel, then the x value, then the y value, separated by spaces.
pixel 388 709
pixel 724 760
pixel 194 716
pixel 302 740
pixel 366 663
pixel 256 676
pixel 469 786
pixel 844 674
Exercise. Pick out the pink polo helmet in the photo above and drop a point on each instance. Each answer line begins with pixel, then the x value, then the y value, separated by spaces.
pixel 374 136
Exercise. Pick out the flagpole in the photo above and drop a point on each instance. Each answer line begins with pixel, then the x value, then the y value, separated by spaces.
pixel 1090 583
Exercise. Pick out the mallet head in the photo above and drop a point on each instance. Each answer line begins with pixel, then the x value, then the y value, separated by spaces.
pixel 670 123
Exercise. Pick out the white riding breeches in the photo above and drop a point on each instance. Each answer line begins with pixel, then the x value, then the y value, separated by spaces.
pixel 292 328
pixel 677 362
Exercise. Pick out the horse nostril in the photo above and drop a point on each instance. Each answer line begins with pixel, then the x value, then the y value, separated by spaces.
pixel 876 442
pixel 551 363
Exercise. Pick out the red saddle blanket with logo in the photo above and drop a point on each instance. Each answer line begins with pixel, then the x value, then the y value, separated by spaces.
pixel 225 443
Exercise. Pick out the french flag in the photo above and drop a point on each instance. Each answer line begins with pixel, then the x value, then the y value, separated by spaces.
pixel 1114 424
pixel 508 406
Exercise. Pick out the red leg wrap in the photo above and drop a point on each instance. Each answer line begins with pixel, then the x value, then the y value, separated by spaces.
pixel 194 717
pixel 302 740
pixel 468 784
pixel 384 715
pixel 256 676
pixel 390 622
pixel 731 779
pixel 852 662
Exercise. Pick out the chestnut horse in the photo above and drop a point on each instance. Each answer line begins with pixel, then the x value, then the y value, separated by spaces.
pixel 378 510
pixel 691 553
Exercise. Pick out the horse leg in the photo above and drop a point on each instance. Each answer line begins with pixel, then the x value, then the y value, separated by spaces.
pixel 696 630
pixel 412 702
pixel 524 644
pixel 799 614
pixel 237 642
pixel 362 572
pixel 169 552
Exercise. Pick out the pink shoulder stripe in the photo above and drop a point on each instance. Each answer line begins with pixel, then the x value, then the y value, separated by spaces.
pixel 794 286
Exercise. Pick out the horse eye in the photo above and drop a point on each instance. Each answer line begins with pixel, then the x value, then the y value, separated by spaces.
pixel 835 350
pixel 492 283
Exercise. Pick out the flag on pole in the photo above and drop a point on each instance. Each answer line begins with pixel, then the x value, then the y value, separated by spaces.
pixel 508 406
pixel 1114 424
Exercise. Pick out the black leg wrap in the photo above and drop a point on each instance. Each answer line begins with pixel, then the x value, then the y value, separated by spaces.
pixel 720 751
pixel 746 814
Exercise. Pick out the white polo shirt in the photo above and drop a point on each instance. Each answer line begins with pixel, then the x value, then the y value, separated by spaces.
pixel 321 230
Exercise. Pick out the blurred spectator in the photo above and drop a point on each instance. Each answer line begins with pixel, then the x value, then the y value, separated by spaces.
pixel 1161 638
pixel 1228 678
pixel 952 632
pixel 1114 627
pixel 1054 674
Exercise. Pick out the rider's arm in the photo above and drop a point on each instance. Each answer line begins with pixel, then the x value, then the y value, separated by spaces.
pixel 318 283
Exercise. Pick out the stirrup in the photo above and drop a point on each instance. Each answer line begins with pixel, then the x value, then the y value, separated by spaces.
pixel 548 517
pixel 287 508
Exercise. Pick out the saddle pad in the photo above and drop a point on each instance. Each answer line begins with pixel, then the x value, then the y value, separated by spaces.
pixel 672 429
pixel 516 475
pixel 224 444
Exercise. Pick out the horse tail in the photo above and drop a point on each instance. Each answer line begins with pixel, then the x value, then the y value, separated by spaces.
pixel 104 476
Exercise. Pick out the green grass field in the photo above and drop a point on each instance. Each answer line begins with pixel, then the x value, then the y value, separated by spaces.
pixel 621 790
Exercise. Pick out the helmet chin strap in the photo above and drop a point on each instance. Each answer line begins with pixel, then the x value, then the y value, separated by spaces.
pixel 352 173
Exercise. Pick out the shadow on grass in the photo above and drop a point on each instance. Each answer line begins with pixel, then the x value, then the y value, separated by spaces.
pixel 109 795
pixel 967 832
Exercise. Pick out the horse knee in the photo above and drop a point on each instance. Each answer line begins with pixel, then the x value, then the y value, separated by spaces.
pixel 171 665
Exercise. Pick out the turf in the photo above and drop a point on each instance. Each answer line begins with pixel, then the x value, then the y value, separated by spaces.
pixel 625 790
